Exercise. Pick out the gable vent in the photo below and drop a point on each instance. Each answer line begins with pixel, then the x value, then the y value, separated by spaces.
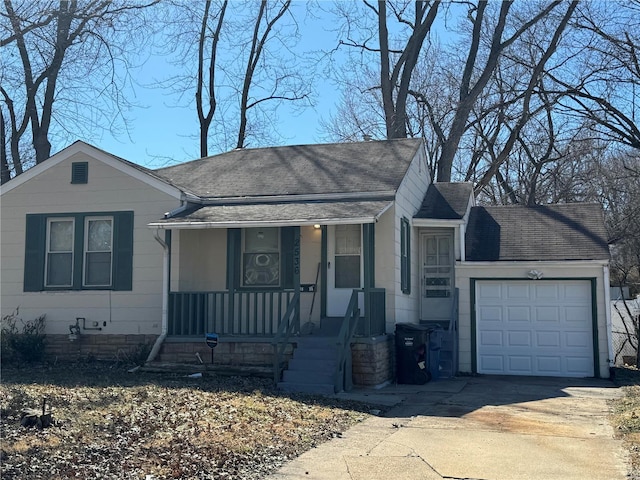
pixel 79 172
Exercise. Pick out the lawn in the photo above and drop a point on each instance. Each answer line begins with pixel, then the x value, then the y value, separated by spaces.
pixel 111 424
pixel 625 415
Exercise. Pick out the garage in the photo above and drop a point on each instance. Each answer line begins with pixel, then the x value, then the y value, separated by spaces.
pixel 534 327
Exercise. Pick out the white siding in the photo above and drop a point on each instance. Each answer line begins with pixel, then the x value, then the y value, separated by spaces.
pixel 401 308
pixel 108 189
pixel 566 270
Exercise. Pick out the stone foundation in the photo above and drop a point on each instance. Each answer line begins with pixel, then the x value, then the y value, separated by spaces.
pixel 372 361
pixel 129 348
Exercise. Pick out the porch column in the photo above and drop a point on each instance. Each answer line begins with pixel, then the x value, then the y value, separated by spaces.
pixel 296 272
pixel 233 256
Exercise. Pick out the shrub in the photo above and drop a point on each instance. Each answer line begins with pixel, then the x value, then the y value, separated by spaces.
pixel 25 345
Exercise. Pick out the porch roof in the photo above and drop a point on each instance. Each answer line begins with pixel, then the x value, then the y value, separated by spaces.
pixel 278 214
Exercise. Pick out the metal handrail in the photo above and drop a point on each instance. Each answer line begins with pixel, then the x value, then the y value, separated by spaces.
pixel 285 329
pixel 347 330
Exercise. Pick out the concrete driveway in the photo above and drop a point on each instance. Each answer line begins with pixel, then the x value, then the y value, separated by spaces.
pixel 486 428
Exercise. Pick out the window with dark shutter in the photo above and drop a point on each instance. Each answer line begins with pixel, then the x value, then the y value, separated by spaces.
pixel 79 251
pixel 79 172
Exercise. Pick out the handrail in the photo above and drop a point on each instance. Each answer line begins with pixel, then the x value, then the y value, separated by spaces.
pixel 347 330
pixel 283 334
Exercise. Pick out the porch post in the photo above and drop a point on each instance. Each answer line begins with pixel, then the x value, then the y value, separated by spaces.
pixel 296 272
pixel 233 254
pixel 323 272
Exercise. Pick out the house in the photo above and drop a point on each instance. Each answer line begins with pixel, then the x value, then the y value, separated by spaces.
pixel 279 249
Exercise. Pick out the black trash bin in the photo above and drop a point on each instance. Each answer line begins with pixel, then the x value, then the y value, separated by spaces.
pixel 412 354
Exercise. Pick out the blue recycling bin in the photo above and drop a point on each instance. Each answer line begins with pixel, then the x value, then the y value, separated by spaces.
pixel 435 345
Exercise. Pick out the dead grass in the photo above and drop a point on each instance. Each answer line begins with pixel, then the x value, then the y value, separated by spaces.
pixel 625 415
pixel 113 424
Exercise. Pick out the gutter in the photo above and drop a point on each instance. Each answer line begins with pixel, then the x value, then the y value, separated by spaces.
pixel 607 313
pixel 165 301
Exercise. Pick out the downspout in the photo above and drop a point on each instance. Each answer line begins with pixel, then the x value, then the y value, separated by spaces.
pixel 165 300
pixel 607 313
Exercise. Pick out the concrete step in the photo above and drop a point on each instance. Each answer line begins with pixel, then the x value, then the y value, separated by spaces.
pixel 313 365
pixel 317 353
pixel 315 389
pixel 307 377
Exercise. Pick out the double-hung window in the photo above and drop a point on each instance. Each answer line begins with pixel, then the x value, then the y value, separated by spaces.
pixel 79 251
pixel 59 259
pixel 98 237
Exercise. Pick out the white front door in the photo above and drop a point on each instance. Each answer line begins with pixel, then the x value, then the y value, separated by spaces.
pixel 344 267
pixel 437 264
pixel 539 327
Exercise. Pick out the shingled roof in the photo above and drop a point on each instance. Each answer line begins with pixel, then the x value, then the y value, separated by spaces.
pixel 445 201
pixel 551 232
pixel 376 166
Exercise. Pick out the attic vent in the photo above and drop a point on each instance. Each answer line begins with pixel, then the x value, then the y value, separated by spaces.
pixel 79 172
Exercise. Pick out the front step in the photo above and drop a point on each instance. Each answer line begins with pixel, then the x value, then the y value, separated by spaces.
pixel 312 367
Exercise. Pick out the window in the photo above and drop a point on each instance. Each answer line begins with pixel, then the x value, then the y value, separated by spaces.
pixel 437 268
pixel 347 256
pixel 60 252
pixel 267 258
pixel 405 256
pixel 79 251
pixel 261 257
pixel 97 251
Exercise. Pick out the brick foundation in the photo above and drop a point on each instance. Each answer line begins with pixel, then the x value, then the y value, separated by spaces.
pixel 98 347
pixel 226 353
pixel 372 361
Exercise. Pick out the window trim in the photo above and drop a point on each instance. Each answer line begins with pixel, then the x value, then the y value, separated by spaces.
pixel 405 256
pixel 85 251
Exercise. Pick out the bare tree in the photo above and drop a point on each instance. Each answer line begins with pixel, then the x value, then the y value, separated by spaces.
pixel 53 47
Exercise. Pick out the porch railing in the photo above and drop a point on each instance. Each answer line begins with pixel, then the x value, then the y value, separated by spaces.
pixel 287 327
pixel 253 313
pixel 343 379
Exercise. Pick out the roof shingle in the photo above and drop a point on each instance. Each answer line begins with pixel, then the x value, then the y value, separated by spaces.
pixel 550 232
pixel 373 166
pixel 445 201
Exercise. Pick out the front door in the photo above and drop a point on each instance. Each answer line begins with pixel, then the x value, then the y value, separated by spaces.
pixel 344 267
pixel 437 262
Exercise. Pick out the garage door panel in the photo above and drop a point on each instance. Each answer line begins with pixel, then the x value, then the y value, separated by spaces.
pixel 548 339
pixel 547 314
pixel 518 314
pixel 491 338
pixel 547 292
pixel 490 314
pixel 519 339
pixel 549 365
pixel 577 314
pixel 580 340
pixel 492 364
pixel 518 292
pixel 520 364
pixel 534 327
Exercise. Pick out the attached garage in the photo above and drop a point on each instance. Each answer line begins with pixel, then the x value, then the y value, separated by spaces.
pixel 535 327
pixel 533 287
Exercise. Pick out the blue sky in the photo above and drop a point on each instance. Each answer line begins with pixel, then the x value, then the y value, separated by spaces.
pixel 161 133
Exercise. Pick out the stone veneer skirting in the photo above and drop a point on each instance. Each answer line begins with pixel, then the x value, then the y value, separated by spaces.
pixel 372 357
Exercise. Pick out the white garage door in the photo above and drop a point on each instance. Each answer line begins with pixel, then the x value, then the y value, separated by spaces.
pixel 541 327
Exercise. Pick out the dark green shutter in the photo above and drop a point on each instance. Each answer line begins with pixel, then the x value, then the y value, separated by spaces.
pixel 234 251
pixel 287 244
pixel 123 251
pixel 35 243
pixel 405 256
